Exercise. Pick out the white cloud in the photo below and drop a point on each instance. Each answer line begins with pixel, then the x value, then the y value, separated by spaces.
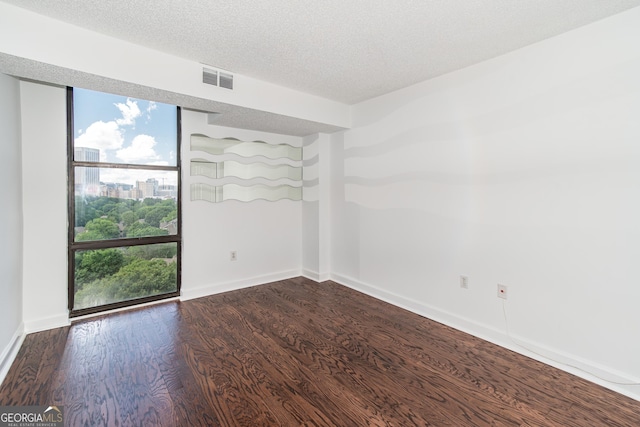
pixel 101 135
pixel 130 111
pixel 140 151
pixel 152 106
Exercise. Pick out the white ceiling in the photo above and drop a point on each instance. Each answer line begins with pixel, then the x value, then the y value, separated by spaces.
pixel 345 50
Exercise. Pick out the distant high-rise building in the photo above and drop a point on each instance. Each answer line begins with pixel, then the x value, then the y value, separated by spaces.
pixel 87 179
pixel 167 191
pixel 147 188
pixel 154 183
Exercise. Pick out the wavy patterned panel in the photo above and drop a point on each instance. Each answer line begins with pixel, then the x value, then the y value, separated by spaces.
pixel 281 161
pixel 219 146
pixel 220 193
pixel 202 167
pixel 206 192
pixel 230 168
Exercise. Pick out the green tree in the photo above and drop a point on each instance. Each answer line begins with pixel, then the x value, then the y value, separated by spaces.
pixel 145 277
pixel 138 229
pixel 163 250
pixel 98 264
pixel 171 216
pixel 99 229
pixel 142 211
pixel 168 202
pixel 138 279
pixel 154 216
pixel 99 203
pixel 84 210
pixel 128 218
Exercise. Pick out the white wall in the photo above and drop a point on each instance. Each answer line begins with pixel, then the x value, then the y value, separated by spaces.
pixel 266 235
pixel 11 220
pixel 44 185
pixel 310 207
pixel 315 207
pixel 522 170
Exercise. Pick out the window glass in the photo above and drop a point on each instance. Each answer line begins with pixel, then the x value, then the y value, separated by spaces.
pixel 107 276
pixel 116 129
pixel 124 197
pixel 124 203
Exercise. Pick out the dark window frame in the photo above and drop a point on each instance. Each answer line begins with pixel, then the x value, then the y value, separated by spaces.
pixel 74 246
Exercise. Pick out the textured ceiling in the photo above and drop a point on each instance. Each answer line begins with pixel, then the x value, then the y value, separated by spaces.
pixel 345 50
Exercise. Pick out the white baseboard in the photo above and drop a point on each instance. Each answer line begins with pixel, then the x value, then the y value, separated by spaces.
pixel 315 276
pixel 217 288
pixel 311 274
pixel 44 324
pixel 577 366
pixel 10 352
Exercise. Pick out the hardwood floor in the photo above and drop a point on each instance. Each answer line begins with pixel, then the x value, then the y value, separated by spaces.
pixel 294 353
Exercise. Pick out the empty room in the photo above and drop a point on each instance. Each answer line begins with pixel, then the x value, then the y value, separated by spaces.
pixel 256 213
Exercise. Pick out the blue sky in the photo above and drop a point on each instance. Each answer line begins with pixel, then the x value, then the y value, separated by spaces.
pixel 125 130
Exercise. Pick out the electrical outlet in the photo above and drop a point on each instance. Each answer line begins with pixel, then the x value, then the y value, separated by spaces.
pixel 464 282
pixel 502 291
pixel 233 256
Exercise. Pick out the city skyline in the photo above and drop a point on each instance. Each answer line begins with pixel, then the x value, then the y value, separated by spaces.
pixel 88 182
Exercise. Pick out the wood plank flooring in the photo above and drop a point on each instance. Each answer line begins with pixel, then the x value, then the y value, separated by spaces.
pixel 294 353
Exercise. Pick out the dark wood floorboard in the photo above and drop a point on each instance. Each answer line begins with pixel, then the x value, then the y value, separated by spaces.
pixel 294 353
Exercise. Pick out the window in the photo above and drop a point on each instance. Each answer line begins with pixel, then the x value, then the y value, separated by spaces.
pixel 124 201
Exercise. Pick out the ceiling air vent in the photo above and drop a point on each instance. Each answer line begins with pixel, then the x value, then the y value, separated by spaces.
pixel 226 80
pixel 217 78
pixel 210 76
